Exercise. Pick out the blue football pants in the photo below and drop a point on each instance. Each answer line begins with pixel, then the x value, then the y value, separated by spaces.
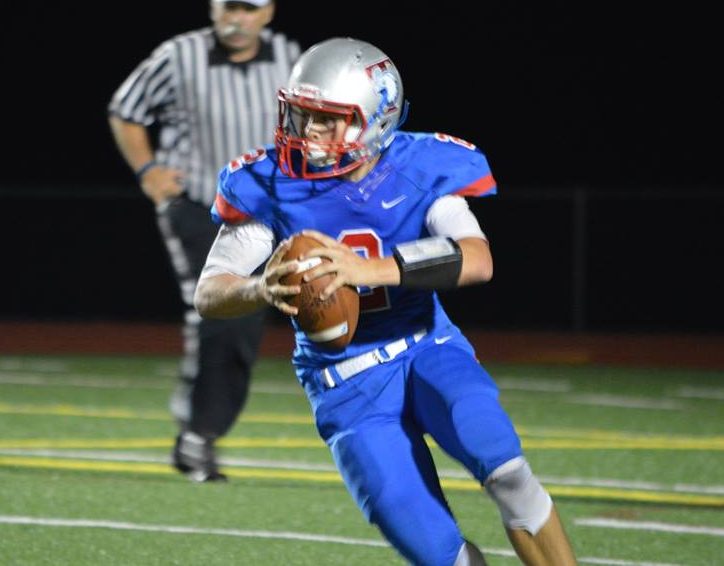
pixel 375 425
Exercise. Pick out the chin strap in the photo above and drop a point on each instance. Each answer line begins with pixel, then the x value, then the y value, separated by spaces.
pixel 403 114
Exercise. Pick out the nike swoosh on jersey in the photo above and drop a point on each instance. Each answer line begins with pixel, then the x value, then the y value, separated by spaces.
pixel 393 202
pixel 442 340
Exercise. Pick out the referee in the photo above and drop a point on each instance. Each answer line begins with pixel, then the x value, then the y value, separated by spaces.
pixel 201 99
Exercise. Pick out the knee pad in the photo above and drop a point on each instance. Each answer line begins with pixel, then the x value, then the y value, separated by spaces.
pixel 470 555
pixel 521 499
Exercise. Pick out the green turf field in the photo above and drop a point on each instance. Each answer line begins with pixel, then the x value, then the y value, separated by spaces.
pixel 633 458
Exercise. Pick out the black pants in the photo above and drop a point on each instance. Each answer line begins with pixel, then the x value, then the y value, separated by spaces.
pixel 218 354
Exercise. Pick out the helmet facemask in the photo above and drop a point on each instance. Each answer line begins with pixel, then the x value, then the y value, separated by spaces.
pixel 301 155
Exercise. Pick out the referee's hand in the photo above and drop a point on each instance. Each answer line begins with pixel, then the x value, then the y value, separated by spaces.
pixel 162 183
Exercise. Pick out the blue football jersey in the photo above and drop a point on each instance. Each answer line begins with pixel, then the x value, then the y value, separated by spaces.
pixel 371 216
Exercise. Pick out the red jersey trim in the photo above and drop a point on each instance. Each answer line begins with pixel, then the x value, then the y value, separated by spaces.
pixel 479 187
pixel 227 212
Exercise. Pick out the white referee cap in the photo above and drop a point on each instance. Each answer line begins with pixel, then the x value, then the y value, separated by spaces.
pixel 258 3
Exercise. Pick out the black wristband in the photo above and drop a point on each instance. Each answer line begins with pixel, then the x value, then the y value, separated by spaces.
pixel 145 168
pixel 429 263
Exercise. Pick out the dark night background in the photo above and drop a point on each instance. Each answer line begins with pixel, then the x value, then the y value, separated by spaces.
pixel 601 125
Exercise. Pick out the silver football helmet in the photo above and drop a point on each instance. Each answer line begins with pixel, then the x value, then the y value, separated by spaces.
pixel 338 78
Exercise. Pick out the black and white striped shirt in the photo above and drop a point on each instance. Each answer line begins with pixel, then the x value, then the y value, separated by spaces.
pixel 207 109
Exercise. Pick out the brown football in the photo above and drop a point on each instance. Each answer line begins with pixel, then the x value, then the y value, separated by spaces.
pixel 330 323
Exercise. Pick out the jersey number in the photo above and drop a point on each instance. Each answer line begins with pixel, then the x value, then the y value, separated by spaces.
pixel 368 245
pixel 246 159
pixel 459 141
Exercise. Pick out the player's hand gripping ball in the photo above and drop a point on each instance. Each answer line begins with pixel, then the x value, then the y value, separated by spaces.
pixel 330 323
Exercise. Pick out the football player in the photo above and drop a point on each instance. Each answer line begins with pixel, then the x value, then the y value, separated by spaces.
pixel 389 207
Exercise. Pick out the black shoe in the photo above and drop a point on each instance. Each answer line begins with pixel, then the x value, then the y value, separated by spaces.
pixel 194 456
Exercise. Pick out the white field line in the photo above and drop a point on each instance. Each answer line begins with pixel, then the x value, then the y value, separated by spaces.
pixel 505 384
pixel 26 365
pixel 641 485
pixel 175 529
pixel 614 562
pixel 22 377
pixel 277 535
pixel 652 526
pixel 709 393
pixel 103 382
pixel 611 483
pixel 90 381
pixel 314 467
pixel 624 402
pixel 7 363
pixel 74 380
pixel 533 384
pixel 276 389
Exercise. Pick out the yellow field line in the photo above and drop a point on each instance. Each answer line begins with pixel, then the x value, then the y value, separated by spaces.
pixel 582 492
pixel 595 493
pixel 151 468
pixel 127 443
pixel 706 444
pixel 540 439
pixel 63 410
pixel 691 444
pixel 74 411
pixel 603 434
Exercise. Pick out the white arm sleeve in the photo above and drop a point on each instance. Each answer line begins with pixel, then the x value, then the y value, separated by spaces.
pixel 451 216
pixel 239 249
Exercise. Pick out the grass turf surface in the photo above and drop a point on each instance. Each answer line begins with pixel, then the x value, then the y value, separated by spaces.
pixel 633 458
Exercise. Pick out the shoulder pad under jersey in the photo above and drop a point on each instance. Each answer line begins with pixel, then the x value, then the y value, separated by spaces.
pixel 443 163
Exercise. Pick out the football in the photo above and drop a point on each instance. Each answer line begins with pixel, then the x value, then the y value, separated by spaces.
pixel 330 323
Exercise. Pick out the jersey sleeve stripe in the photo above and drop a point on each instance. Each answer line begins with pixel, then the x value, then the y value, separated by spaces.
pixel 478 188
pixel 227 212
